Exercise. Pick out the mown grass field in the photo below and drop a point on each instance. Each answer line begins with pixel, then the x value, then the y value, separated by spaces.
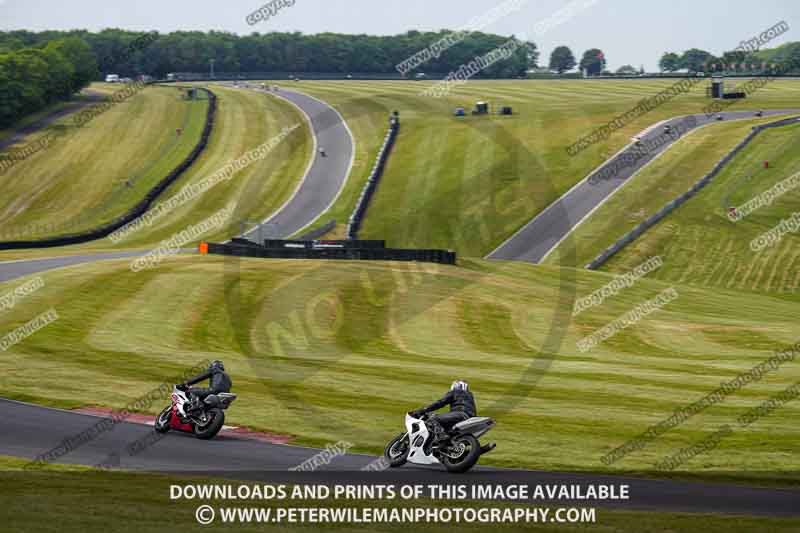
pixel 139 503
pixel 339 350
pixel 699 244
pixel 469 183
pixel 665 178
pixel 93 173
pixel 244 121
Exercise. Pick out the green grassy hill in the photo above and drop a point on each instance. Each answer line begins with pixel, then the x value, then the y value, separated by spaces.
pixel 469 183
pixel 699 243
pixel 94 173
pixel 245 120
pixel 333 350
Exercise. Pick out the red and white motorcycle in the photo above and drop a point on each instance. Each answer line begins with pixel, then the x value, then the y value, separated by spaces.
pixel 203 418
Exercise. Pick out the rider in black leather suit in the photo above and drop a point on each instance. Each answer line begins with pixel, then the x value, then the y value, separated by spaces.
pixel 219 381
pixel 462 407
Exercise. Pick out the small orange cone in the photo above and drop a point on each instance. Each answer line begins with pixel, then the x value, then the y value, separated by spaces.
pixel 203 248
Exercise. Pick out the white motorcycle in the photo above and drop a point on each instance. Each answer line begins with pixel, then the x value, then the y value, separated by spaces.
pixel 458 453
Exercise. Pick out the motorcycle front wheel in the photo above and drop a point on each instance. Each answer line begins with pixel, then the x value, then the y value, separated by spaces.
pixel 396 451
pixel 462 455
pixel 162 420
pixel 215 420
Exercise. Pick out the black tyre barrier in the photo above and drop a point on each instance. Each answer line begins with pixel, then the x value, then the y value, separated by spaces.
pixel 349 254
pixel 137 210
pixel 360 210
pixel 636 232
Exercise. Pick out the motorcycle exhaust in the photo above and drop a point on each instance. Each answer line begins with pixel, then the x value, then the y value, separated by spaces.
pixel 487 448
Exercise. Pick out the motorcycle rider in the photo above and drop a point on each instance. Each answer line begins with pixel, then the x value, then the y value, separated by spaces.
pixel 462 407
pixel 219 381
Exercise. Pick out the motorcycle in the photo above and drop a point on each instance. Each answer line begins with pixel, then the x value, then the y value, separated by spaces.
pixel 203 418
pixel 458 453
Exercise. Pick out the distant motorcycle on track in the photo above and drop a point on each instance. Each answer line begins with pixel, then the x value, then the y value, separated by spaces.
pixel 458 453
pixel 202 418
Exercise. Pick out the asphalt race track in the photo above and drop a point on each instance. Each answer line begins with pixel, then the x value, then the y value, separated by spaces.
pixel 30 430
pixel 16 269
pixel 325 177
pixel 544 232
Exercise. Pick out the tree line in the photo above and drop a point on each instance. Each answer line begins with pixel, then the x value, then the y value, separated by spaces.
pixel 697 60
pixel 40 68
pixel 34 77
pixel 192 51
pixel 693 60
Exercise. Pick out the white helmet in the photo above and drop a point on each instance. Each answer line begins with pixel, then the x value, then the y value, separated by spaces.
pixel 459 385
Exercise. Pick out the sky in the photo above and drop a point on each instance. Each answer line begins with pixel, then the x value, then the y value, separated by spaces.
pixel 635 32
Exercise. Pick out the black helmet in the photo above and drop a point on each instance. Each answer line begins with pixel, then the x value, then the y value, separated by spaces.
pixel 216 366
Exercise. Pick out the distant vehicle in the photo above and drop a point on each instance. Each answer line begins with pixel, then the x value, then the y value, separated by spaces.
pixel 112 78
pixel 125 80
pixel 171 76
pixel 701 74
pixel 759 113
pixel 420 76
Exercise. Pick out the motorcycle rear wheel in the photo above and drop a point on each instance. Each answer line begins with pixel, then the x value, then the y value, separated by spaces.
pixel 468 458
pixel 396 452
pixel 208 431
pixel 162 420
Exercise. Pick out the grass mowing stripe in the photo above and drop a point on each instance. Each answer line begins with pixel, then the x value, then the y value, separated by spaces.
pixel 380 352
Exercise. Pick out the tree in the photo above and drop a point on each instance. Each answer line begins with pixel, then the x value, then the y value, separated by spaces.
pixel 593 61
pixel 695 60
pixel 670 62
pixel 627 70
pixel 794 58
pixel 77 52
pixel 562 60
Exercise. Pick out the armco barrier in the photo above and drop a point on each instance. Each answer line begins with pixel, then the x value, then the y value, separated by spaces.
pixel 351 254
pixel 137 210
pixel 636 232
pixel 372 182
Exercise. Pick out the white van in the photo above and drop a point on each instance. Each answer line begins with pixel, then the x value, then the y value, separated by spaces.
pixel 112 78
